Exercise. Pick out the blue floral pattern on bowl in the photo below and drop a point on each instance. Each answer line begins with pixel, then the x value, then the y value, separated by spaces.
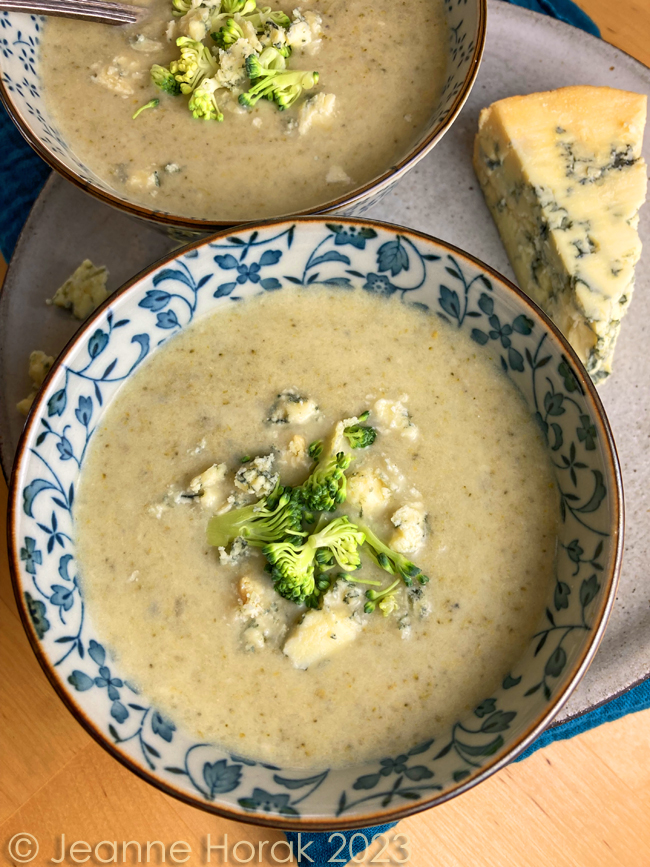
pixel 442 282
pixel 22 91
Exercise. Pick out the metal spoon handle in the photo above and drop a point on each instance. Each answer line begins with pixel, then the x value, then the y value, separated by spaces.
pixel 100 11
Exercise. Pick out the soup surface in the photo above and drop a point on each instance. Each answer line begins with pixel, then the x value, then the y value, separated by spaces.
pixel 179 617
pixel 384 62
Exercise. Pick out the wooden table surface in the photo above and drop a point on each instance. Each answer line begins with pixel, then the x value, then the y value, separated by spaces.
pixel 584 802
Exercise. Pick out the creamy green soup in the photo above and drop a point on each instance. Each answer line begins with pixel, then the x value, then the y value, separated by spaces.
pixel 206 638
pixel 384 62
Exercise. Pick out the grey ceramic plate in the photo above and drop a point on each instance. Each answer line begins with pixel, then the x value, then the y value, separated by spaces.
pixel 525 52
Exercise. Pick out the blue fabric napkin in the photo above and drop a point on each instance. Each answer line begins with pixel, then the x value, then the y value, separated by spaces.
pixel 334 847
pixel 563 10
pixel 22 175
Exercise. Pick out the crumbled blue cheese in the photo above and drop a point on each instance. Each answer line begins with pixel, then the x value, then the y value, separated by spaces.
pixel 38 369
pixel 257 477
pixel 232 64
pixel 394 416
pixel 145 44
pixel 296 453
pixel 274 36
pixel 254 597
pixel 40 365
pixel 144 180
pixel 563 175
pixel 83 291
pixel 238 550
pixel 120 75
pixel 337 175
pixel 305 30
pixel 250 33
pixel 234 501
pixel 411 529
pixel 368 490
pixel 318 110
pixel 207 486
pixel 418 602
pixel 172 168
pixel 195 24
pixel 292 408
pixel 259 609
pixel 323 632
pixel 404 625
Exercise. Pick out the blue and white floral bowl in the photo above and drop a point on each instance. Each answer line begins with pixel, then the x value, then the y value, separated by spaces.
pixel 212 275
pixel 22 94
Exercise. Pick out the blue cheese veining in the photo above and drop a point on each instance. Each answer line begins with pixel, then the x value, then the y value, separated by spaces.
pixel 563 176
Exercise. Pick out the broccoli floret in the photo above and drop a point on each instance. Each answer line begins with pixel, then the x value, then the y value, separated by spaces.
pixel 283 87
pixel 265 15
pixel 340 538
pixel 292 569
pixel 181 7
pixel 244 7
pixel 278 18
pixel 228 34
pixel 165 80
pixel 269 520
pixel 391 561
pixel 203 103
pixel 259 19
pixel 293 565
pixel 385 599
pixel 195 64
pixel 326 487
pixel 153 103
pixel 256 66
pixel 360 436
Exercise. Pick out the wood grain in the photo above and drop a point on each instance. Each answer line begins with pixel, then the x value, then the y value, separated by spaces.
pixel 626 24
pixel 584 802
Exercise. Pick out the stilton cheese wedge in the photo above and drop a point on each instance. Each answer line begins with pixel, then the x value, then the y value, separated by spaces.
pixel 563 176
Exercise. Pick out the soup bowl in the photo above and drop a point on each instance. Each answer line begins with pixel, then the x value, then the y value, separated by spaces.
pixel 21 91
pixel 207 277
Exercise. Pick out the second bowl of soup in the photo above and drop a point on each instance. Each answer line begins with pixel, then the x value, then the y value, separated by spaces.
pixel 356 95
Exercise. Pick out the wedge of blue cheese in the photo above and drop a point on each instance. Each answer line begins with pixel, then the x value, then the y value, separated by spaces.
pixel 563 176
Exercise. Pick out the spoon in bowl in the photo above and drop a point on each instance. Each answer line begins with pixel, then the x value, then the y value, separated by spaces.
pixel 100 11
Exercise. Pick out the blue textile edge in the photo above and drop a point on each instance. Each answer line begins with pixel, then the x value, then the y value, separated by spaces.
pixel 22 176
pixel 564 10
pixel 322 849
pixel 635 699
pixel 569 13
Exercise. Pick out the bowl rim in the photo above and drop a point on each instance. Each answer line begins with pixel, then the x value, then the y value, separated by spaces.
pixel 376 185
pixel 610 576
